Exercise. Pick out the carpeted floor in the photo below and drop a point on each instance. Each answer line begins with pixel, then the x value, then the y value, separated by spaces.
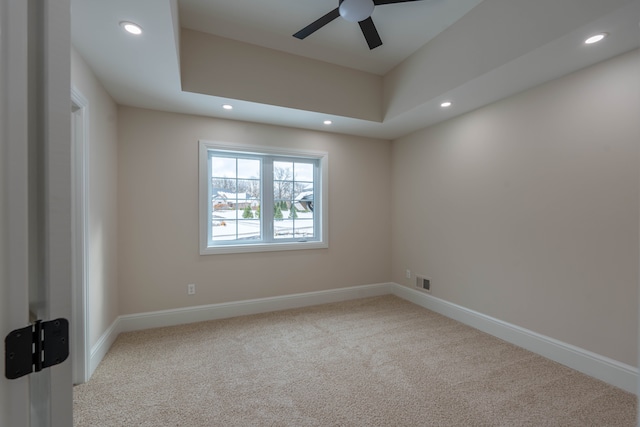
pixel 373 362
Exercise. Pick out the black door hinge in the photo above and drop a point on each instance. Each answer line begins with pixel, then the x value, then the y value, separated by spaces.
pixel 36 347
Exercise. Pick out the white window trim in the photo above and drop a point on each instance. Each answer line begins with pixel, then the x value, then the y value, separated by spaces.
pixel 203 195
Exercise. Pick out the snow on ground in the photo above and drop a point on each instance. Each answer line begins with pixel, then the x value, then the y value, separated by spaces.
pixel 225 226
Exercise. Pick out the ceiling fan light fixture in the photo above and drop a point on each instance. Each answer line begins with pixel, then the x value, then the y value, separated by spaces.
pixel 356 10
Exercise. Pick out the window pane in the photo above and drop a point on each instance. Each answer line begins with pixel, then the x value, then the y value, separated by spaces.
pixel 283 229
pixel 303 228
pixel 283 171
pixel 249 168
pixel 282 190
pixel 248 189
pixel 223 229
pixel 235 201
pixel 248 229
pixel 303 196
pixel 232 214
pixel 278 212
pixel 249 210
pixel 293 200
pixel 300 188
pixel 222 187
pixel 282 180
pixel 223 167
pixel 220 208
pixel 303 172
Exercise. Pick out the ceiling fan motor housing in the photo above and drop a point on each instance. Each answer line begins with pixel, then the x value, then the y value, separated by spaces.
pixel 356 10
pixel 353 11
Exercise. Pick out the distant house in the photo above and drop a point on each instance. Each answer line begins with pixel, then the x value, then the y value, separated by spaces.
pixel 223 199
pixel 304 200
pixel 226 200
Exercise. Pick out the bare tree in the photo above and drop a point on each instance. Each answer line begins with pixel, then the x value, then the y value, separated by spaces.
pixel 254 188
pixel 225 184
pixel 283 183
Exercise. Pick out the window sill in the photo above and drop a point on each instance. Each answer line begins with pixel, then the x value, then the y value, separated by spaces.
pixel 266 247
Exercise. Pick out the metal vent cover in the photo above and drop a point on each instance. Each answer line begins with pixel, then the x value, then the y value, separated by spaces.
pixel 423 283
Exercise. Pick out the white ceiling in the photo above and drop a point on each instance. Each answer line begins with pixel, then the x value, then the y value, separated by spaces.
pixel 144 71
pixel 403 27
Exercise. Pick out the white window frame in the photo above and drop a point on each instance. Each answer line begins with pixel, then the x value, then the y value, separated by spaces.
pixel 321 191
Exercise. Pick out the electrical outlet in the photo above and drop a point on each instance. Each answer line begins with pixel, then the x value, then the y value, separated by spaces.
pixel 408 274
pixel 191 289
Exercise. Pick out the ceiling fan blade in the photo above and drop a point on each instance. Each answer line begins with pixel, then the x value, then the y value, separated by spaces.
pixel 379 2
pixel 370 33
pixel 316 25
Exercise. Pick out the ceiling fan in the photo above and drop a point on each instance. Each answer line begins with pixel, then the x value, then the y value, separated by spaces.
pixel 353 11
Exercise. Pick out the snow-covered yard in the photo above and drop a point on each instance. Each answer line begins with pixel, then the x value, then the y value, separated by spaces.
pixel 227 224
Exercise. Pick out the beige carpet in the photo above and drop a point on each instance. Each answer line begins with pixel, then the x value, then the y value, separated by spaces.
pixel 373 362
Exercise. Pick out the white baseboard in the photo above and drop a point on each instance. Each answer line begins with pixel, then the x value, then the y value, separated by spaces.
pixel 158 319
pixel 100 349
pixel 600 367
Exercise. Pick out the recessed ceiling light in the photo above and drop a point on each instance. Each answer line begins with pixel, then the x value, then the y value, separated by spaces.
pixel 327 122
pixel 227 107
pixel 130 27
pixel 596 38
pixel 446 104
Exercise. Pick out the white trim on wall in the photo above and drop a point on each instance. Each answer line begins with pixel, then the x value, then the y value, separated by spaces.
pixel 80 233
pixel 157 319
pixel 100 349
pixel 603 368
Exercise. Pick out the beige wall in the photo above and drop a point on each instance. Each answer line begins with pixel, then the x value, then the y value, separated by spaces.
pixel 228 68
pixel 158 215
pixel 527 209
pixel 102 212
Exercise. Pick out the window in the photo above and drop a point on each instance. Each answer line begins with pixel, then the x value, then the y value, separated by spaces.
pixel 261 199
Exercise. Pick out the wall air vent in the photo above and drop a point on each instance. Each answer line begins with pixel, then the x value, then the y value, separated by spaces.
pixel 423 283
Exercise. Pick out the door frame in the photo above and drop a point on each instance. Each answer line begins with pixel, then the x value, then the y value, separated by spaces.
pixel 35 118
pixel 80 231
pixel 56 73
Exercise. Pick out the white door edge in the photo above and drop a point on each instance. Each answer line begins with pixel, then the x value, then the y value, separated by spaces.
pixel 14 394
